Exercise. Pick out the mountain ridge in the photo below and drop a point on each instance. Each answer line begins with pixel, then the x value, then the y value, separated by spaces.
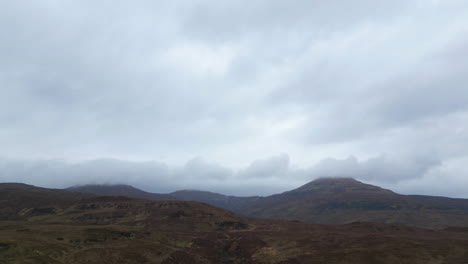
pixel 338 184
pixel 232 203
pixel 55 226
pixel 341 201
pixel 335 201
pixel 119 190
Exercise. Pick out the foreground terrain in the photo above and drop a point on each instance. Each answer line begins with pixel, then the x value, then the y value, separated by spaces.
pixel 54 226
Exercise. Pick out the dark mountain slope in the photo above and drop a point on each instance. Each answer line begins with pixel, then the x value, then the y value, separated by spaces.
pixel 232 203
pixel 344 200
pixel 19 200
pixel 16 185
pixel 120 190
pixel 48 205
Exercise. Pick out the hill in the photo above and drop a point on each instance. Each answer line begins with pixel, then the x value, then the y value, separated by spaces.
pixel 345 200
pixel 232 203
pixel 119 190
pixel 18 200
pixel 322 201
pixel 110 229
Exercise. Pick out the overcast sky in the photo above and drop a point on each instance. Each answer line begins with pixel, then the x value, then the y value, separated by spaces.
pixel 239 97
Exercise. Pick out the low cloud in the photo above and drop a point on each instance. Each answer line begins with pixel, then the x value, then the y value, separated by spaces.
pixel 277 166
pixel 382 168
pixel 261 177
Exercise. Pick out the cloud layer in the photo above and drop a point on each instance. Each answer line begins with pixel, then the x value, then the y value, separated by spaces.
pixel 410 175
pixel 370 89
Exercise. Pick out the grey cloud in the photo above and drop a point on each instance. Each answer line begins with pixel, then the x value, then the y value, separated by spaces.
pixel 232 82
pixel 276 166
pixel 225 20
pixel 199 169
pixel 152 176
pixel 380 89
pixel 261 177
pixel 448 179
pixel 59 173
pixel 379 169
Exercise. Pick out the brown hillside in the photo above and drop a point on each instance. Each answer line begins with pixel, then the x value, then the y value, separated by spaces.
pixel 340 201
pixel 109 230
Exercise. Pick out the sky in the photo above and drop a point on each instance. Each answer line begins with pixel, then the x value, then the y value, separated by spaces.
pixel 240 97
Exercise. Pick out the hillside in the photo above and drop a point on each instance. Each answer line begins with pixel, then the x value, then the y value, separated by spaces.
pixel 322 201
pixel 110 229
pixel 232 203
pixel 345 200
pixel 18 200
pixel 119 190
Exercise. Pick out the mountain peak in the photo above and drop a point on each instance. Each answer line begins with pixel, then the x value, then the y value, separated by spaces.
pixel 336 185
pixel 335 180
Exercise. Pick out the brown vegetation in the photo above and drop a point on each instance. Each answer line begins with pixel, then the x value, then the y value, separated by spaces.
pixel 66 228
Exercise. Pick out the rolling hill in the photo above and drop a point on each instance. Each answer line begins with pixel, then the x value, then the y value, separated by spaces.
pixel 119 190
pixel 232 203
pixel 324 201
pixel 345 200
pixel 74 228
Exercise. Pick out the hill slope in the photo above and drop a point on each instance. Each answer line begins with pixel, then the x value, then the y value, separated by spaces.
pixel 345 200
pixel 111 229
pixel 323 201
pixel 18 200
pixel 119 190
pixel 232 203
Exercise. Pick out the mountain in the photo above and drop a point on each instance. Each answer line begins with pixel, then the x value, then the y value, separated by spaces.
pixel 333 186
pixel 322 201
pixel 120 190
pixel 232 203
pixel 73 228
pixel 346 200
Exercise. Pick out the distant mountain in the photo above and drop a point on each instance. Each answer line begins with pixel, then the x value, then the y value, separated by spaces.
pixel 232 203
pixel 346 200
pixel 119 190
pixel 322 201
pixel 39 225
pixel 332 186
